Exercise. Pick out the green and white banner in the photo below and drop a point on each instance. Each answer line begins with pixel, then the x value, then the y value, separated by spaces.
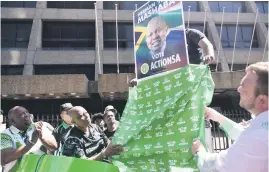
pixel 51 163
pixel 161 118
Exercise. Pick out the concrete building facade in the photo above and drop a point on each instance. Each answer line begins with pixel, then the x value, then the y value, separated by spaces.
pixel 38 65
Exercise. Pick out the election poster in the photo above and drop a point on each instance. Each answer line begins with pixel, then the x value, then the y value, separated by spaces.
pixel 160 43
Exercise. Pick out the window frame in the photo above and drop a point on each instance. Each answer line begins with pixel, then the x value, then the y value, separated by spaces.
pixel 50 41
pixel 230 9
pixel 7 70
pixel 185 7
pixel 263 5
pixel 16 40
pixel 63 4
pixel 65 69
pixel 112 68
pixel 125 40
pixel 241 41
pixel 24 3
pixel 107 5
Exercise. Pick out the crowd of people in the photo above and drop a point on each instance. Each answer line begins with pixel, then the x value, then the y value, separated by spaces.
pixel 82 136
pixel 79 135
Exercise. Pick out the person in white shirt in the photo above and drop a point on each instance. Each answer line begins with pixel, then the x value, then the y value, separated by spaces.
pixel 249 153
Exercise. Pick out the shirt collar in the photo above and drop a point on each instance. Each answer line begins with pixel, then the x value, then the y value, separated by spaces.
pixel 261 119
pixel 65 125
pixel 14 130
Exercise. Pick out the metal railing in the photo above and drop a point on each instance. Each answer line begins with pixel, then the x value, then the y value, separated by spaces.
pixel 219 138
pixel 53 119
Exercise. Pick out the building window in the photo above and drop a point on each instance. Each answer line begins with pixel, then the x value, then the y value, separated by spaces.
pixel 263 6
pixel 194 5
pixel 230 6
pixel 70 35
pixel 11 69
pixel 71 4
pixel 124 68
pixel 88 70
pixel 244 35
pixel 18 4
pixel 15 34
pixel 125 35
pixel 123 5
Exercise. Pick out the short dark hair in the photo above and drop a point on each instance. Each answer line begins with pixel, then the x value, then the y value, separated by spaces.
pixel 97 116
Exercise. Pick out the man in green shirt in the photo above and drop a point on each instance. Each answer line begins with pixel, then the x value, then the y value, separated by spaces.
pixel 23 137
pixel 61 130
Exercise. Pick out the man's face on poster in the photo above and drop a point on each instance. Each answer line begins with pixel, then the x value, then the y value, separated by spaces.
pixel 156 34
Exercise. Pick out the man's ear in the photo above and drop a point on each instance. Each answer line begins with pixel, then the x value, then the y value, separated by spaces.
pixel 11 121
pixel 61 115
pixel 263 100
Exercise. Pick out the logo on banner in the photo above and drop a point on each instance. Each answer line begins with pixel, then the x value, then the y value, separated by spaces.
pixel 144 68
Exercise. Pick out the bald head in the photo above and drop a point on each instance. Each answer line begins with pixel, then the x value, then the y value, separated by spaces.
pixel 156 34
pixel 20 118
pixel 79 110
pixel 156 22
pixel 15 111
pixel 80 117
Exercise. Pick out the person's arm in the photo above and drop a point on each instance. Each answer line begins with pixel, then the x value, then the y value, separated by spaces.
pixel 46 136
pixel 201 40
pixel 247 154
pixel 208 50
pixel 232 129
pixel 109 151
pixel 9 154
pixel 98 157
pixel 48 126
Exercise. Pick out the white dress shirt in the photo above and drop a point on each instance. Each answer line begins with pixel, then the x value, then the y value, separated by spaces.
pixel 249 153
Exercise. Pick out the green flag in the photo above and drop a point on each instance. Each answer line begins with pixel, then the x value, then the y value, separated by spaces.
pixel 161 118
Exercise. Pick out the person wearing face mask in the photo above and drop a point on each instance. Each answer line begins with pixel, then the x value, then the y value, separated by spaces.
pixel 86 140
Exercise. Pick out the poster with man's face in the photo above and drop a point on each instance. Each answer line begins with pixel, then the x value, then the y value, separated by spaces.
pixel 160 44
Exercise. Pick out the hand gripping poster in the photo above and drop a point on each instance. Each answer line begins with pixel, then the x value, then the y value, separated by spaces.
pixel 160 43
